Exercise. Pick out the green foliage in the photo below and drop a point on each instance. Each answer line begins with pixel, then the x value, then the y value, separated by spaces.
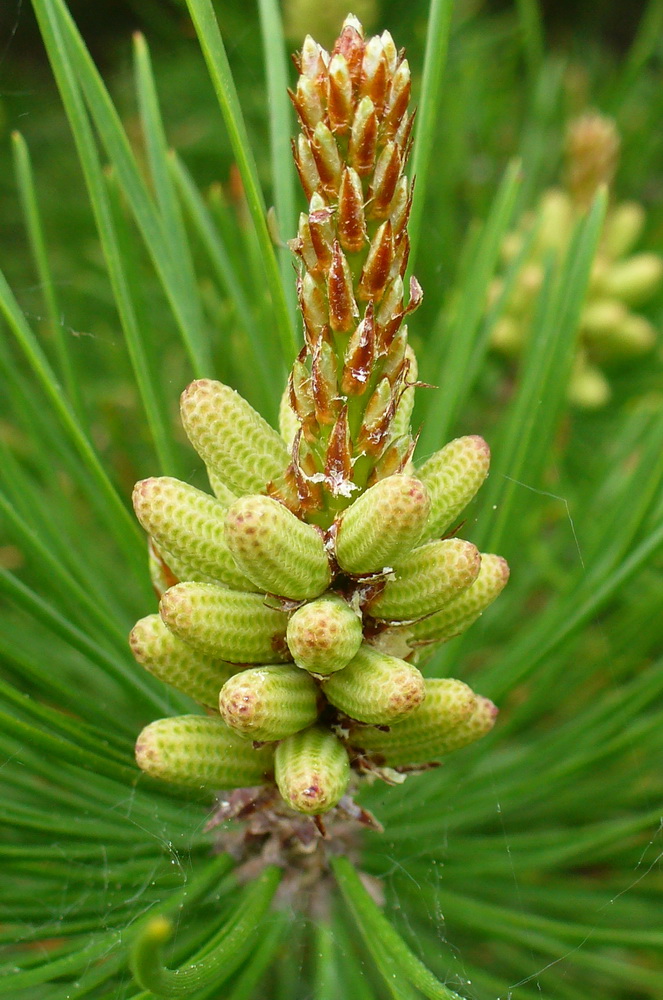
pixel 527 866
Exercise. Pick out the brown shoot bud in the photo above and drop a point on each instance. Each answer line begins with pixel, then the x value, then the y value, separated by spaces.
pixel 360 356
pixel 342 306
pixel 399 210
pixel 312 304
pixel 324 383
pixel 309 177
pixel 301 399
pixel 321 230
pixel 375 73
pixel 375 273
pixel 351 222
pixel 338 460
pixel 387 174
pixel 312 61
pixel 307 103
pixel 363 138
pixel 339 95
pixel 327 158
pixel 302 244
pixel 401 256
pixel 377 419
pixel 399 98
pixel 394 459
pixel 350 44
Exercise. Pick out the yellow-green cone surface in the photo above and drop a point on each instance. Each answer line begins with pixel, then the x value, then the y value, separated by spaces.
pixel 452 477
pixel 201 753
pixel 171 660
pixel 312 770
pixel 240 447
pixel 189 524
pixel 427 733
pixel 270 702
pixel 427 579
pixel 225 623
pixel 277 552
pixel 324 635
pixel 375 687
pixel 460 613
pixel 382 525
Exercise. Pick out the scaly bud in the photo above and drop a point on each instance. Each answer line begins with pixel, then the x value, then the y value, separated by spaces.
pixel 427 579
pixel 394 460
pixel 385 179
pixel 324 383
pixel 338 458
pixel 327 158
pixel 269 703
pixel 378 415
pixel 375 273
pixel 401 423
pixel 399 98
pixel 228 434
pixel 363 138
pixel 592 151
pixel 171 660
pixel 399 210
pixel 339 95
pixel 226 624
pixel 279 553
pixel 313 59
pixel 321 230
pixel 302 245
pixel 342 306
pixel 360 356
pixel 350 44
pixel 312 770
pixel 423 735
pixel 299 403
pixel 375 688
pixel 452 477
pixel 351 222
pixel 382 525
pixel 314 310
pixel 307 103
pixel 202 753
pixel 375 73
pixel 305 163
pixel 457 616
pixel 324 635
pixel 190 525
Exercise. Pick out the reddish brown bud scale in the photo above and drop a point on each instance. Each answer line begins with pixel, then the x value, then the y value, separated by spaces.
pixel 309 177
pixel 338 460
pixel 377 419
pixel 301 399
pixel 360 356
pixel 375 73
pixel 399 98
pixel 324 384
pixel 312 60
pixel 401 255
pixel 306 102
pixel 321 231
pixel 312 305
pixel 350 44
pixel 363 138
pixel 342 306
pixel 339 95
pixel 387 174
pixel 327 158
pixel 376 270
pixel 351 223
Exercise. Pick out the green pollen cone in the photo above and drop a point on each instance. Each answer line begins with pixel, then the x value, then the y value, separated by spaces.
pixel 171 660
pixel 460 613
pixel 312 770
pixel 269 703
pixel 201 753
pixel 451 717
pixel 452 477
pixel 324 635
pixel 375 687
pixel 225 623
pixel 189 525
pixel 427 579
pixel 278 552
pixel 382 525
pixel 240 447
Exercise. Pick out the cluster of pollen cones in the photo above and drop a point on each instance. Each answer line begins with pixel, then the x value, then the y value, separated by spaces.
pixel 298 602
